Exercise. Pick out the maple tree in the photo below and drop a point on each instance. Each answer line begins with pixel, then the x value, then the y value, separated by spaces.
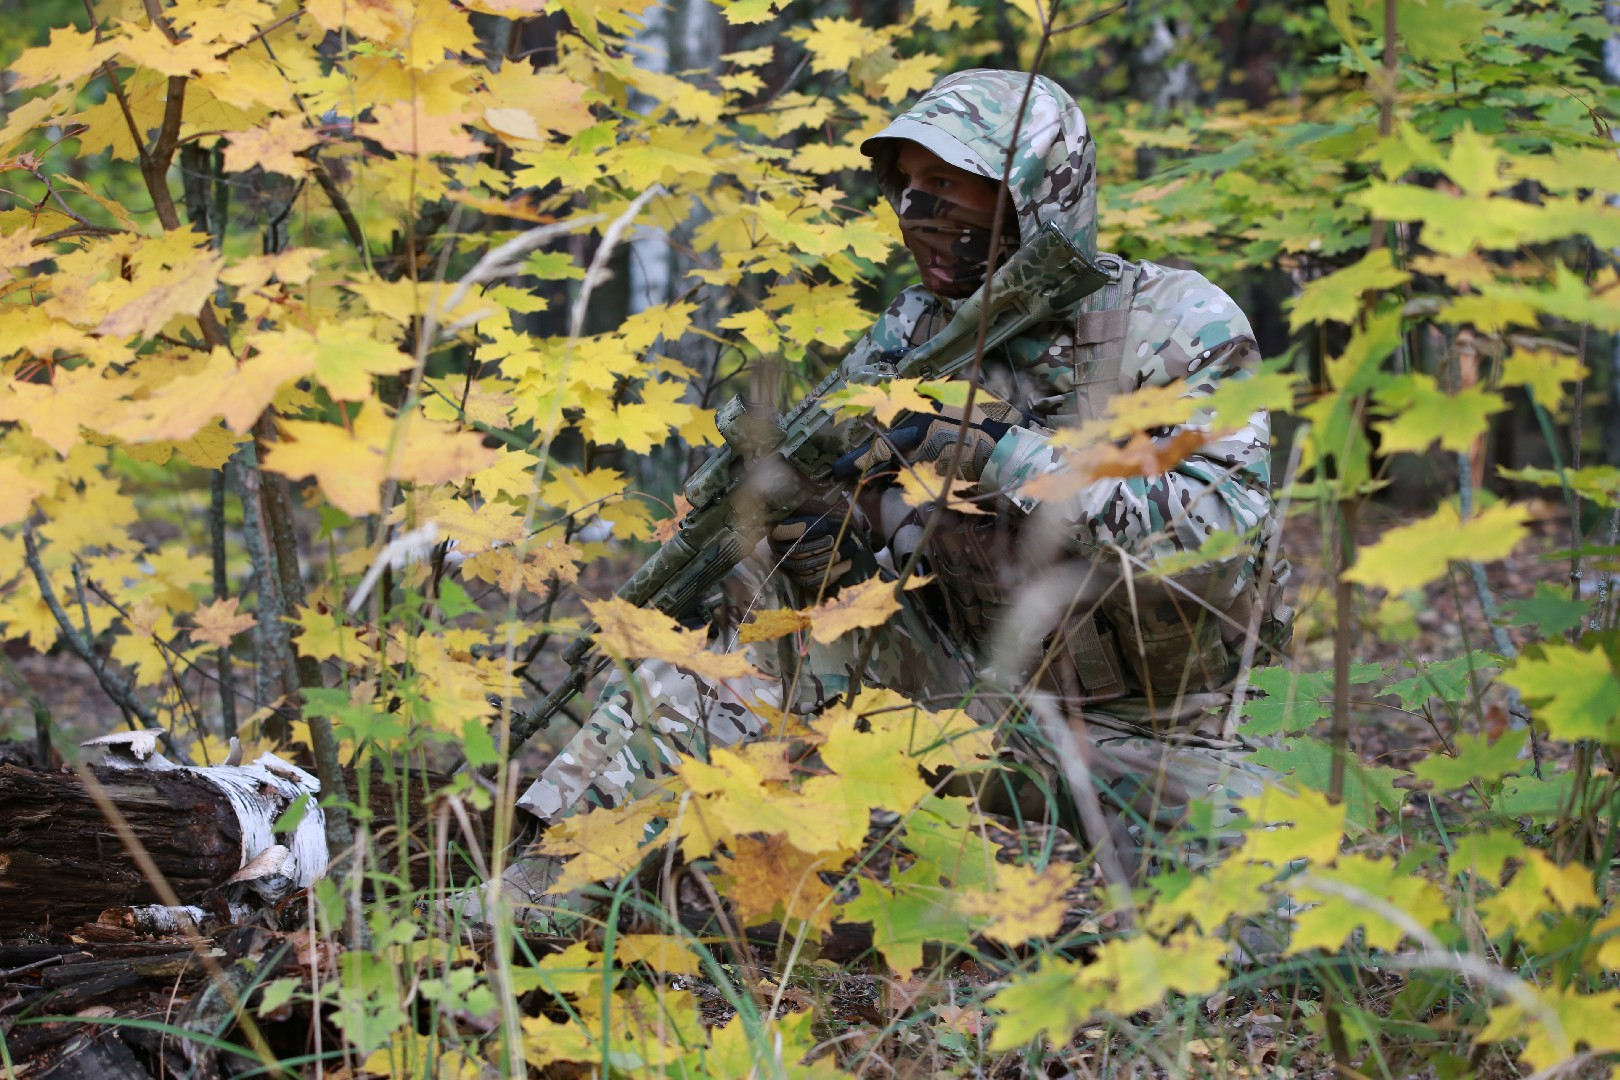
pixel 301 296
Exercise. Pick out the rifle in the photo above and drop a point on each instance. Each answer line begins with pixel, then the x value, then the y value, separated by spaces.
pixel 773 464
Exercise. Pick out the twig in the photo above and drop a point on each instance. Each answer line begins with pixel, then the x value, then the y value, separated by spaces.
pixel 1074 759
pixel 1436 955
pixel 116 686
pixel 948 475
pixel 597 271
pixel 340 203
pixel 265 31
pixel 1094 17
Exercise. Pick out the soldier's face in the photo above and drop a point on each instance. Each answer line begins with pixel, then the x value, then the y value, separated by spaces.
pixel 946 218
pixel 924 171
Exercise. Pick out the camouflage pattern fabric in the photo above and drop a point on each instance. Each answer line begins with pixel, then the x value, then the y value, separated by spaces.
pixel 652 716
pixel 1054 597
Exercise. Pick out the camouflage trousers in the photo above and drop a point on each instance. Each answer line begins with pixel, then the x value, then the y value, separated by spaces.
pixel 1147 770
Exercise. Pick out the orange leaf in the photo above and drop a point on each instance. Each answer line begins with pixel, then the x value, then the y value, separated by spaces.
pixel 218 622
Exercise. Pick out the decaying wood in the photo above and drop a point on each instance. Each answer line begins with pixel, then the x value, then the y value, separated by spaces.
pixel 163 979
pixel 61 863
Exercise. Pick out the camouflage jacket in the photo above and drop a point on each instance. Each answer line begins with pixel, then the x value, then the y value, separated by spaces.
pixel 1151 326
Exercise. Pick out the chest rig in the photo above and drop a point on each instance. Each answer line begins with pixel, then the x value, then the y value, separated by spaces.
pixel 1062 378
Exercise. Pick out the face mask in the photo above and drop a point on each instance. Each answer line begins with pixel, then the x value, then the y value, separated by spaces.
pixel 954 239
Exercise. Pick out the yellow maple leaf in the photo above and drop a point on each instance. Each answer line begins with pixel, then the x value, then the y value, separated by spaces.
pixel 827 158
pixel 153 298
pixel 1411 556
pixel 53 412
pixel 1142 970
pixel 884 400
pixel 637 426
pixel 512 475
pixel 603 842
pixel 635 633
pixel 17 248
pixel 768 878
pixel 348 354
pixel 350 466
pixel 18 490
pixel 149 47
pixel 835 44
pixel 572 490
pixel 1317 826
pixel 770 624
pixel 405 129
pixel 910 76
pixel 1025 903
pixel 550 100
pixel 405 301
pixel 919 489
pixel 658 951
pixel 826 313
pixel 218 622
pixel 737 797
pixel 274 146
pixel 867 604
pixel 71 53
pixel 1544 372
pixel 323 636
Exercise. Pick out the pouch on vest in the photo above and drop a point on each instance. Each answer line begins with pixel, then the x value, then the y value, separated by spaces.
pixel 1171 639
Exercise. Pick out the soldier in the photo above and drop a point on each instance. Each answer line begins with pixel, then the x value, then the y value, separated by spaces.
pixel 1152 660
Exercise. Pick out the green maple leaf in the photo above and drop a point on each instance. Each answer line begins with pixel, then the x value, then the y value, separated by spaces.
pixel 1539 800
pixel 1420 413
pixel 1439 31
pixel 1050 1000
pixel 1476 756
pixel 916 910
pixel 552 266
pixel 1295 700
pixel 1449 680
pixel 1574 692
pixel 1485 854
pixel 1551 611
pixel 1337 297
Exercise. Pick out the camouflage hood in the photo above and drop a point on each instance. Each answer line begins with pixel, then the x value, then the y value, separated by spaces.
pixel 969 119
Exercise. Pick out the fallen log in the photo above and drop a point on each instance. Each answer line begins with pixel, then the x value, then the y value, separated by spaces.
pixel 61 862
pixel 209 831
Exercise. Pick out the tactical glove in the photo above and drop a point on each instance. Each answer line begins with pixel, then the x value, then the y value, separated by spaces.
pixel 816 547
pixel 918 438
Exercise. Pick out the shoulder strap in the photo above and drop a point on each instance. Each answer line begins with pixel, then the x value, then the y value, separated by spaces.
pixel 1099 337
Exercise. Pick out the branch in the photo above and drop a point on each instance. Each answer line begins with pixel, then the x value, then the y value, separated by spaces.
pixel 116 686
pixel 1094 17
pixel 496 262
pixel 604 251
pixel 340 203
pixel 1074 759
pixel 266 31
pixel 1436 955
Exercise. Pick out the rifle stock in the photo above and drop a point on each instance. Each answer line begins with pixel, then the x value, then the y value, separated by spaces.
pixel 771 465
